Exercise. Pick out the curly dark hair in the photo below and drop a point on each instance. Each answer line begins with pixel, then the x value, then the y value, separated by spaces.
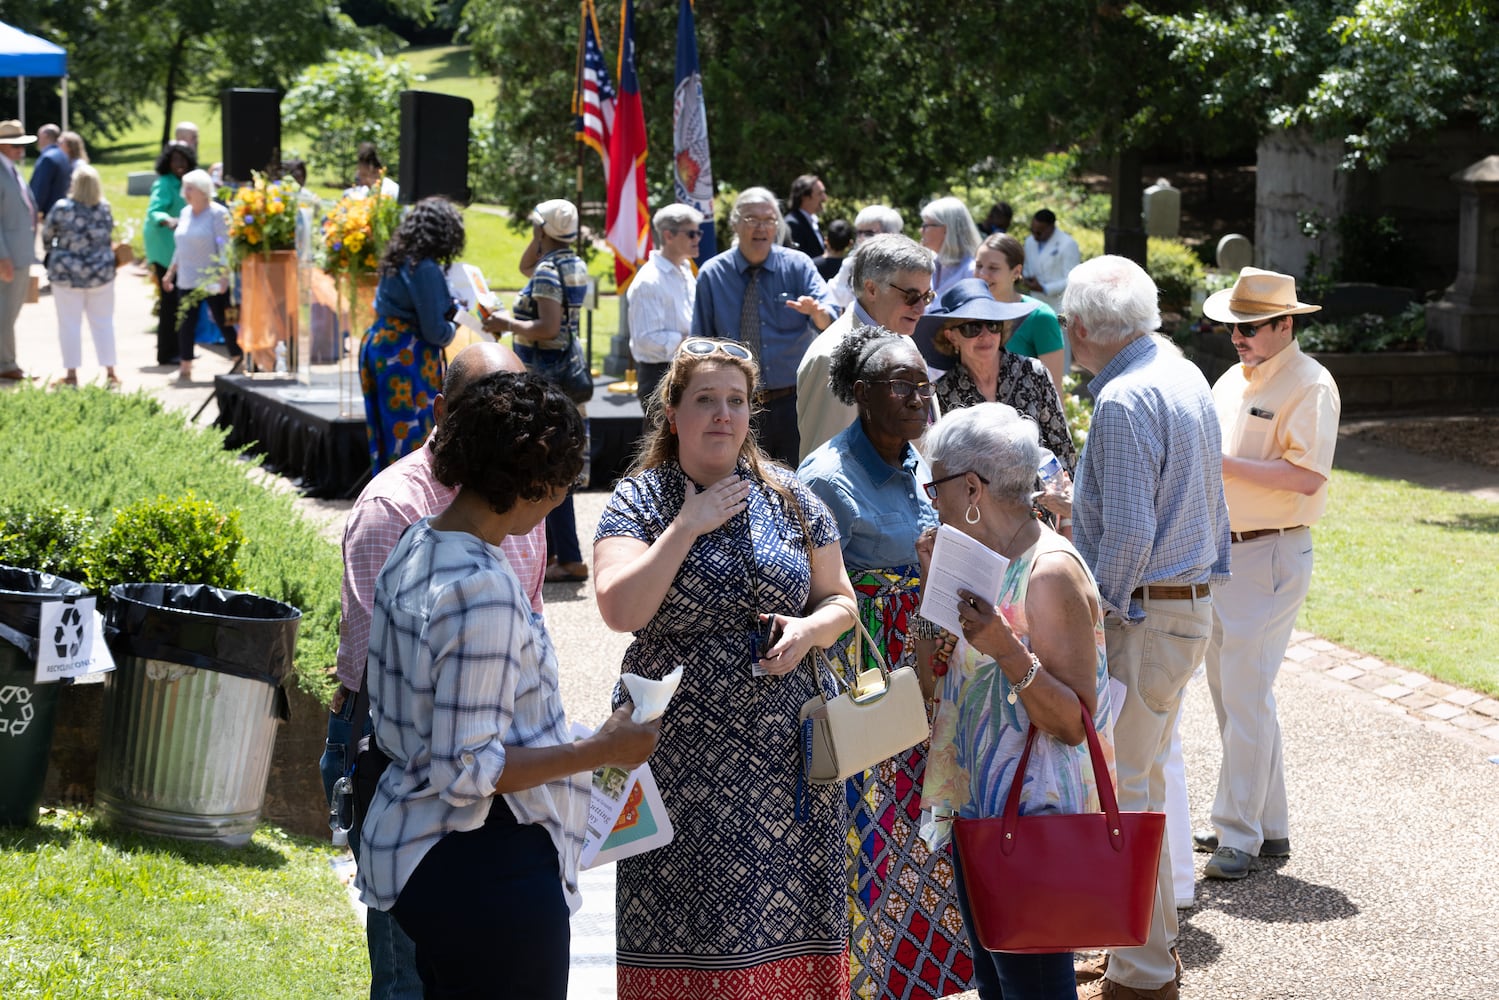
pixel 510 436
pixel 432 230
pixel 164 161
pixel 852 359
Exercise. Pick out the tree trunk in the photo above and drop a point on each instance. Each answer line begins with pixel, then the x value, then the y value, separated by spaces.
pixel 1125 234
pixel 174 69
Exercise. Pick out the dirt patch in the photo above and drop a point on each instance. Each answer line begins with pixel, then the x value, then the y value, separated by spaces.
pixel 1471 439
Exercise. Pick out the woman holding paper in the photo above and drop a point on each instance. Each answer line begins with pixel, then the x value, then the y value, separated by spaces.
pixel 868 476
pixel 401 361
pixel 722 562
pixel 1025 657
pixel 472 838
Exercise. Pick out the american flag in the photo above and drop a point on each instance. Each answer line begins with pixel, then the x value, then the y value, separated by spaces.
pixel 593 99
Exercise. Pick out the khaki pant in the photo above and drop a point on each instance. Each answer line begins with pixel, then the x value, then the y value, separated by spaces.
pixel 1153 660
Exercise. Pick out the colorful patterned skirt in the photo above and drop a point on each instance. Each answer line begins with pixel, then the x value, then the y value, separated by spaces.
pixel 906 934
pixel 401 374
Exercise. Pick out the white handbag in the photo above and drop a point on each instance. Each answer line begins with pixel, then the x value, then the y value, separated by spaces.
pixel 879 715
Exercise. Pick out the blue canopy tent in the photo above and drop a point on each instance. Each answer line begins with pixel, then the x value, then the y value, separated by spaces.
pixel 23 55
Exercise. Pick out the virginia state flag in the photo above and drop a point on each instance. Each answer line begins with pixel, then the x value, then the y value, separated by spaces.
pixel 694 174
pixel 628 227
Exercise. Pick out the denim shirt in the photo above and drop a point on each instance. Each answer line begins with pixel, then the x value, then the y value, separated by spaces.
pixel 880 509
pixel 419 295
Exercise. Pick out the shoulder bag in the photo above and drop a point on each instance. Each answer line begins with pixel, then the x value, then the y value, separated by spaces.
pixel 880 714
pixel 1050 883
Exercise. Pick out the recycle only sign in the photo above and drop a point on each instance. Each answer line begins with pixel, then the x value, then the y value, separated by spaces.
pixel 70 640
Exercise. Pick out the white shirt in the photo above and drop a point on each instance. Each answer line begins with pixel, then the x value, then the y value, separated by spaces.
pixel 660 301
pixel 1050 263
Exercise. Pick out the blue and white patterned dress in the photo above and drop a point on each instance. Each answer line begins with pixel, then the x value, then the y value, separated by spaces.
pixel 747 901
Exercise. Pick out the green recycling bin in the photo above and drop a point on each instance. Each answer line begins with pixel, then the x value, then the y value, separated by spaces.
pixel 28 710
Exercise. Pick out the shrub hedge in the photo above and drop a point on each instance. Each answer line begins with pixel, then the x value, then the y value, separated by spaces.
pixel 101 452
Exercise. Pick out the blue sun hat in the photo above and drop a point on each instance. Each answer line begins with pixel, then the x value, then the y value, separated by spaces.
pixel 968 299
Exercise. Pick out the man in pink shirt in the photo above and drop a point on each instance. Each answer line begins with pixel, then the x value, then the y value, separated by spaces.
pixel 399 496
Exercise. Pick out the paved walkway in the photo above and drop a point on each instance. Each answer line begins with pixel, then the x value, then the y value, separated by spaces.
pixel 1393 777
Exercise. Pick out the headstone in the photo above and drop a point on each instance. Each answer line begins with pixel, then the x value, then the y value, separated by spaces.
pixel 1235 252
pixel 1466 318
pixel 1163 210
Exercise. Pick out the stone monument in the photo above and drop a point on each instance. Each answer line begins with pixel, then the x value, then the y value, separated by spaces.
pixel 1466 318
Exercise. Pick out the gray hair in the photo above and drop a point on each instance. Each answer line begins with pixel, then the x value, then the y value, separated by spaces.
pixel 881 257
pixel 882 217
pixel 676 217
pixel 84 188
pixel 199 181
pixel 759 196
pixel 993 440
pixel 1113 298
pixel 962 239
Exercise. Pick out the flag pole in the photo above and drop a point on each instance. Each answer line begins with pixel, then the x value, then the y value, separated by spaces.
pixel 578 106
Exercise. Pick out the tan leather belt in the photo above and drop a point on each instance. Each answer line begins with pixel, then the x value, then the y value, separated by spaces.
pixel 1245 536
pixel 1171 591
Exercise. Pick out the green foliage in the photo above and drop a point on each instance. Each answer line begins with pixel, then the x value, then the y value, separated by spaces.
pixel 1052 180
pixel 1078 408
pixel 46 537
pixel 1373 72
pixel 1176 270
pixel 98 451
pixel 95 912
pixel 183 540
pixel 1368 333
pixel 351 98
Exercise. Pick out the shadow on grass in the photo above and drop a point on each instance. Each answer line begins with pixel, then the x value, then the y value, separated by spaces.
pixel 457 65
pixel 1484 524
pixel 60 829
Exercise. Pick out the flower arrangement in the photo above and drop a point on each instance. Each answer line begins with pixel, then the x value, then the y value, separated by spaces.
pixel 355 231
pixel 263 216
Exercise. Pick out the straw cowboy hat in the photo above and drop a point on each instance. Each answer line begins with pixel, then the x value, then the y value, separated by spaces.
pixel 12 134
pixel 1257 295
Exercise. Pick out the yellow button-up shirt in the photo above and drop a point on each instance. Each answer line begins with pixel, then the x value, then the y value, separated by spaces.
pixel 1285 407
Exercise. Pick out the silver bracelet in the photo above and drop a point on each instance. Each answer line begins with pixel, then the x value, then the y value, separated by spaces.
pixel 1025 682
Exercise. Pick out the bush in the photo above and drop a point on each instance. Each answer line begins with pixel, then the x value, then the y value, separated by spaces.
pixel 1052 181
pixel 98 451
pixel 1368 333
pixel 48 538
pixel 186 540
pixel 352 98
pixel 1171 263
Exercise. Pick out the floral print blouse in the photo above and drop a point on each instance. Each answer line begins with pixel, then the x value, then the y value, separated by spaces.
pixel 79 240
pixel 1023 384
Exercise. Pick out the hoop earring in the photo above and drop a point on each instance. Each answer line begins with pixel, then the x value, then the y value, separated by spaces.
pixel 972 515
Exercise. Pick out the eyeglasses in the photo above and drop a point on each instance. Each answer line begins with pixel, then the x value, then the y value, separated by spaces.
pixel 1248 330
pixel 977 328
pixel 913 296
pixel 701 347
pixel 902 388
pixel 691 234
pixel 760 223
pixel 865 234
pixel 931 487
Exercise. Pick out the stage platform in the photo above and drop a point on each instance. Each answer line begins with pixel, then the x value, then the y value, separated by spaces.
pixel 303 436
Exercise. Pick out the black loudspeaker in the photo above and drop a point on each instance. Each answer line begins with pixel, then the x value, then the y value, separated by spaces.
pixel 252 132
pixel 434 146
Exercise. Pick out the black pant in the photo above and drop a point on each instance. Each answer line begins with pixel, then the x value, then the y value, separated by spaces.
pixel 776 430
pixel 647 376
pixel 487 913
pixel 166 320
pixel 187 330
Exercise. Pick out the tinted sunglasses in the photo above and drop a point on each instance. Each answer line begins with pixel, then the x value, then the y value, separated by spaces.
pixel 978 327
pixel 1248 330
pixel 914 297
pixel 902 388
pixel 701 347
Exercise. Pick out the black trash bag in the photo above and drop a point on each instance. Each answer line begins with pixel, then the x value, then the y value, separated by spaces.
pixel 200 626
pixel 22 594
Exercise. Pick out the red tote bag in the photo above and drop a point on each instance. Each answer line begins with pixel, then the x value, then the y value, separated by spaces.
pixel 1050 883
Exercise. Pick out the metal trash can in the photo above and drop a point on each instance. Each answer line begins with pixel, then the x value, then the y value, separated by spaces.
pixel 190 712
pixel 28 710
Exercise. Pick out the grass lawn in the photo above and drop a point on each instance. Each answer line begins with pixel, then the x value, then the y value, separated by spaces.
pixel 90 912
pixel 1405 573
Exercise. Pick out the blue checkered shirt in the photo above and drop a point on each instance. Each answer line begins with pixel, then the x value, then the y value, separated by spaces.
pixel 460 667
pixel 1148 503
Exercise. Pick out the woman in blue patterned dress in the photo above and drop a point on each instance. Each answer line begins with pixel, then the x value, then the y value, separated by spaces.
pixel 401 362
pixel 704 541
pixel 906 933
pixel 1028 659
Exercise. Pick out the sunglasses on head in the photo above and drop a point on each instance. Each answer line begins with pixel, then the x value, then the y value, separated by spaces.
pixel 914 297
pixel 701 347
pixel 977 328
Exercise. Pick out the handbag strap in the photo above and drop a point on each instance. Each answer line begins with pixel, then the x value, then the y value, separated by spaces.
pixel 839 682
pixel 1101 779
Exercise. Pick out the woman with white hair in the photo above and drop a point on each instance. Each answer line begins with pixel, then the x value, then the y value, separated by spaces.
pixel 200 264
pixel 948 230
pixel 1029 658
pixel 872 221
pixel 78 235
